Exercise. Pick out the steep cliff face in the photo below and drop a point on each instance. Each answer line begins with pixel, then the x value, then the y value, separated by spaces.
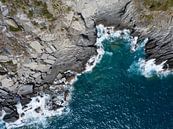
pixel 41 40
pixel 157 18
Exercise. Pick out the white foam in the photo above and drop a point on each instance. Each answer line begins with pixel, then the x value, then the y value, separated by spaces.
pixel 134 44
pixel 101 35
pixel 104 33
pixel 109 53
pixel 149 69
pixel 108 33
pixel 138 46
pixel 29 116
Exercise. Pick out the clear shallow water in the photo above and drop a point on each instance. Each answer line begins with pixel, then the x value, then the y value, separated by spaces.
pixel 116 96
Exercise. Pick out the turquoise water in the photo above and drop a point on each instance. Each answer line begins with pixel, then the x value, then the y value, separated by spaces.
pixel 116 96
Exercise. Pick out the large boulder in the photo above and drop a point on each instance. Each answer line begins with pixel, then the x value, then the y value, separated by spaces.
pixel 25 89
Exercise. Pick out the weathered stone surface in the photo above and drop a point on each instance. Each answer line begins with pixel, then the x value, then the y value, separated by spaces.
pixel 44 56
pixel 37 67
pixel 4 10
pixel 48 50
pixel 11 22
pixel 12 117
pixel 4 58
pixel 3 92
pixel 36 75
pixel 49 61
pixel 32 65
pixel 7 82
pixel 36 46
pixel 51 57
pixel 3 71
pixel 25 89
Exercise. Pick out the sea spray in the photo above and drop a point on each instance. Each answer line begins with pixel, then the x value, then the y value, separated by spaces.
pixel 100 50
pixel 134 44
pixel 141 66
pixel 34 112
pixel 149 68
pixel 145 68
pixel 104 33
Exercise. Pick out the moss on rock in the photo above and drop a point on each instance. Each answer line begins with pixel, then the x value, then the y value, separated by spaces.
pixel 158 5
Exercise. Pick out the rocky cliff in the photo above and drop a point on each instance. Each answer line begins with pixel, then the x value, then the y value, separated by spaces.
pixel 42 41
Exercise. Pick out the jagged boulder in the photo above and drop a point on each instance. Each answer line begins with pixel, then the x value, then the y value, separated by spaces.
pixel 25 89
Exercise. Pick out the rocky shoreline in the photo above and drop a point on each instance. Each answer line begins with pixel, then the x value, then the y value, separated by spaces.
pixel 38 51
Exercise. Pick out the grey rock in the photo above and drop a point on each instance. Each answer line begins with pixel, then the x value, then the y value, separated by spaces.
pixel 25 89
pixel 7 82
pixel 36 75
pixel 51 57
pixel 3 71
pixel 44 56
pixel 1 113
pixel 36 46
pixel 3 92
pixel 32 65
pixel 4 58
pixel 11 22
pixel 7 110
pixel 37 67
pixel 59 76
pixel 4 10
pixel 48 50
pixel 12 117
pixel 49 61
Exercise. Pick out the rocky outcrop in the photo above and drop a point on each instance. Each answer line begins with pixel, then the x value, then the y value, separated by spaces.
pixel 43 41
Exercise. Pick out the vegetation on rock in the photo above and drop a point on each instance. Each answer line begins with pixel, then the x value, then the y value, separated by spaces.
pixel 34 8
pixel 158 5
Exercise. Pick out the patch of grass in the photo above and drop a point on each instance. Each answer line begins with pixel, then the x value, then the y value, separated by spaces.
pixel 30 14
pixel 46 13
pixel 3 1
pixel 33 8
pixel 14 29
pixel 148 18
pixel 59 7
pixel 158 5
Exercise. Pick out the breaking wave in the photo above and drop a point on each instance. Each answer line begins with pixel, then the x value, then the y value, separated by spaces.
pixel 149 69
pixel 34 112
pixel 141 66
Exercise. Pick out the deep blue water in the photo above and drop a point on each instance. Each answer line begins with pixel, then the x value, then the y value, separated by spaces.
pixel 111 97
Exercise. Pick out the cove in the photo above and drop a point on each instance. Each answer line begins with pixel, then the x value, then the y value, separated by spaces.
pixel 116 95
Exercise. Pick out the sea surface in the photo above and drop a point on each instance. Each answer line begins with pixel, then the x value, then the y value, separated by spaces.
pixel 121 92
